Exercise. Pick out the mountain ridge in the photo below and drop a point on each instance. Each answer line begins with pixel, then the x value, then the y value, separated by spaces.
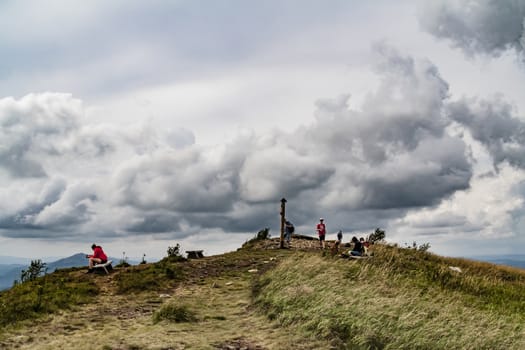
pixel 262 297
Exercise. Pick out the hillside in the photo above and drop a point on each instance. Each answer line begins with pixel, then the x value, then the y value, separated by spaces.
pixel 262 297
pixel 11 273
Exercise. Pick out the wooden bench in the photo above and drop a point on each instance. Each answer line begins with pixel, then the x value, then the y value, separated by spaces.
pixel 104 266
pixel 194 254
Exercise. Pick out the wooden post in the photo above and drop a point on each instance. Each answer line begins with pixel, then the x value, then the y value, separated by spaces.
pixel 283 201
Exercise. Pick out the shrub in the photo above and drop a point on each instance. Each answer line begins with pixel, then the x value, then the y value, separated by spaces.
pixel 377 236
pixel 174 251
pixel 36 268
pixel 260 236
pixel 174 313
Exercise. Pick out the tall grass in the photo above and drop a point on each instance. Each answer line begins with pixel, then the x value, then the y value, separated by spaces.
pixel 399 299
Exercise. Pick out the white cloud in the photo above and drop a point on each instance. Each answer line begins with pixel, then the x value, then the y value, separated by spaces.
pixel 484 211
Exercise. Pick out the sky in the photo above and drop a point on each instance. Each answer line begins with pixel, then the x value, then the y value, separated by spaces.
pixel 139 125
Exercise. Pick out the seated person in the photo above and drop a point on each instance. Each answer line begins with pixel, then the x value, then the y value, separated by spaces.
pixel 98 257
pixel 365 245
pixel 357 249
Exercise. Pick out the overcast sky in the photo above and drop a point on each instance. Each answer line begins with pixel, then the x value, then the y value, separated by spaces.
pixel 141 124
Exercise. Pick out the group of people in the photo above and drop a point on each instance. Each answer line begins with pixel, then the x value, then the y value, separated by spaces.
pixel 359 246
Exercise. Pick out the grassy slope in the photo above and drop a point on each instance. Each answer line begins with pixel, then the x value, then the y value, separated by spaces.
pixel 399 299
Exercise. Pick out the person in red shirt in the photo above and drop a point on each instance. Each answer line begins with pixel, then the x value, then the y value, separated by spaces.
pixel 321 232
pixel 98 257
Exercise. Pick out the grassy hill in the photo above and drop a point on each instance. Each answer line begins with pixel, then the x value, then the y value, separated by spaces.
pixel 261 297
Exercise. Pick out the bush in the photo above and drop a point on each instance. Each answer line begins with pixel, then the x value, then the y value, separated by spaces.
pixel 36 268
pixel 260 236
pixel 377 236
pixel 174 313
pixel 174 251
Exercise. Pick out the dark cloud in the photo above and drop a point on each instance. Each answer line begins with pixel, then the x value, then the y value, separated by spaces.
pixel 492 123
pixel 482 26
pixel 155 223
pixel 395 152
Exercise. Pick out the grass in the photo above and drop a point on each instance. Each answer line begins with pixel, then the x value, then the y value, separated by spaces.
pixel 44 295
pixel 274 299
pixel 174 313
pixel 148 277
pixel 215 291
pixel 399 299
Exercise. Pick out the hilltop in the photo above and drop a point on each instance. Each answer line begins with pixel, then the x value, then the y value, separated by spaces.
pixel 262 297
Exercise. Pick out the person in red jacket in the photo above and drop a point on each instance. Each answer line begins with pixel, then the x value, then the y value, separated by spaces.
pixel 321 232
pixel 98 257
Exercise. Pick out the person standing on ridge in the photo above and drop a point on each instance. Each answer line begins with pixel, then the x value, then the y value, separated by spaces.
pixel 98 257
pixel 321 232
pixel 288 230
pixel 335 248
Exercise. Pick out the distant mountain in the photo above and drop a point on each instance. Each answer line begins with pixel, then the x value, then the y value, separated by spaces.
pixel 10 273
pixel 8 267
pixel 77 260
pixel 514 260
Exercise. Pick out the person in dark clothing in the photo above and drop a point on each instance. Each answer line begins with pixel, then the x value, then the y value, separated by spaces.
pixel 288 230
pixel 335 248
pixel 357 249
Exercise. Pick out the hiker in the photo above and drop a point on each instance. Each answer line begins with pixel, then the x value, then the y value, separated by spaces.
pixel 288 230
pixel 98 257
pixel 335 248
pixel 357 249
pixel 321 232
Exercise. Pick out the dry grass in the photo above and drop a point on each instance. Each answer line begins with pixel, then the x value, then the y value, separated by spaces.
pixel 374 304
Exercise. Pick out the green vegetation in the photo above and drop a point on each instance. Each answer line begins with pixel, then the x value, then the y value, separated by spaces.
pixel 399 299
pixel 377 236
pixel 144 277
pixel 44 295
pixel 174 254
pixel 262 235
pixel 36 269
